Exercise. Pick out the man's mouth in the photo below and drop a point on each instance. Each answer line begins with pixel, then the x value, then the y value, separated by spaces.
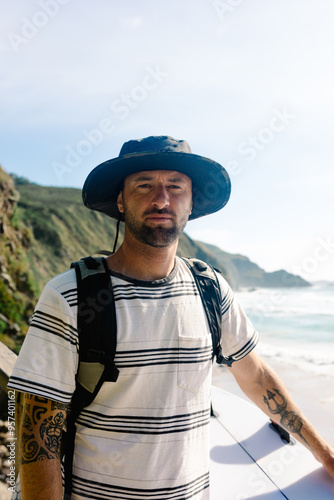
pixel 159 218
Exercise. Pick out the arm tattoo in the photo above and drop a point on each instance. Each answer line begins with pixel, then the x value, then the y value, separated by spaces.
pixel 41 429
pixel 277 404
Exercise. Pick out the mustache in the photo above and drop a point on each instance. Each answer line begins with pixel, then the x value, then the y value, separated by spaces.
pixel 161 211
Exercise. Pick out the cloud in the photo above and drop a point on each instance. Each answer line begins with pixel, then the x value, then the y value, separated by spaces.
pixel 132 22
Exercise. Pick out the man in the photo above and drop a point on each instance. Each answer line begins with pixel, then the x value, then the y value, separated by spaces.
pixel 145 436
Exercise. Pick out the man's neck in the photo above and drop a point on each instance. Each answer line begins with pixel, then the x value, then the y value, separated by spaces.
pixel 143 262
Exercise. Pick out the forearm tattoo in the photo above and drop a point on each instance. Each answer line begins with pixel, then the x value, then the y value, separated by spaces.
pixel 277 405
pixel 41 429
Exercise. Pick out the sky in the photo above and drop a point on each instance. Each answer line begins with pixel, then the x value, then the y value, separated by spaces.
pixel 248 83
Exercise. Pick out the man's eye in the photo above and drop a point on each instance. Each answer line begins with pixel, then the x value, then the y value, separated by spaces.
pixel 144 185
pixel 174 186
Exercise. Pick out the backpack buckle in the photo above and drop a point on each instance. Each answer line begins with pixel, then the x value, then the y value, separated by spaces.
pixel 221 359
pixel 111 370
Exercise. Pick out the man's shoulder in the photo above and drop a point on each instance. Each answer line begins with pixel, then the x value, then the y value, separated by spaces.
pixel 63 282
pixel 213 271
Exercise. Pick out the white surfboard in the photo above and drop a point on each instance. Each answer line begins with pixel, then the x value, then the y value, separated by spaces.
pixel 249 460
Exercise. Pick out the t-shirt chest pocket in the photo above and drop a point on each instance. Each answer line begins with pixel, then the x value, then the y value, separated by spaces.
pixel 194 364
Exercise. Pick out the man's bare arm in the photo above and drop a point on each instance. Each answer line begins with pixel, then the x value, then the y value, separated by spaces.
pixel 261 384
pixel 41 427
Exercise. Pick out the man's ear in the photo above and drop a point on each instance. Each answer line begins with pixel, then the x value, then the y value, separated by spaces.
pixel 120 204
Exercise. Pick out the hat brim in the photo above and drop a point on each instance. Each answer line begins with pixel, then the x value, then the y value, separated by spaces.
pixel 211 183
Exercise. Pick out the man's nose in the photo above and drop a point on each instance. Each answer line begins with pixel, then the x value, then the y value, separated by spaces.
pixel 160 197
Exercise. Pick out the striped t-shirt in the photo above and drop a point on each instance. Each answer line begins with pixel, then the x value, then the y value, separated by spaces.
pixel 144 437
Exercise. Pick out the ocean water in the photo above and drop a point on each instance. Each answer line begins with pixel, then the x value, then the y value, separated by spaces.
pixel 296 325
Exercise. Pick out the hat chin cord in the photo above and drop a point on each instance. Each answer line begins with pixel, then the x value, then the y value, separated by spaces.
pixel 117 232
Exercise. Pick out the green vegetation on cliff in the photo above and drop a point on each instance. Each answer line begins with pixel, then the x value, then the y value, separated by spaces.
pixel 244 273
pixel 63 229
pixel 17 283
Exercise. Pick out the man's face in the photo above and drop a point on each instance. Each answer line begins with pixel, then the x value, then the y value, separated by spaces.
pixel 156 205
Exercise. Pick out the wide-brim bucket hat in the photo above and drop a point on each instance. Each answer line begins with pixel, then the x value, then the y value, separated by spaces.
pixel 211 183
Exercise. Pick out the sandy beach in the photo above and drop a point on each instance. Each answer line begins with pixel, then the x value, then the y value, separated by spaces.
pixel 314 394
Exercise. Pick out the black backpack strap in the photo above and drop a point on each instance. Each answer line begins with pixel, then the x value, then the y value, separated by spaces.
pixel 210 292
pixel 97 331
pixel 96 316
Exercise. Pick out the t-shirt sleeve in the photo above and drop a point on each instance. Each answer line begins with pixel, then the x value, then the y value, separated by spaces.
pixel 48 360
pixel 239 336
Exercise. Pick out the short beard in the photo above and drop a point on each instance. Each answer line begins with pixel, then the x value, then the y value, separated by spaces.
pixel 159 236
